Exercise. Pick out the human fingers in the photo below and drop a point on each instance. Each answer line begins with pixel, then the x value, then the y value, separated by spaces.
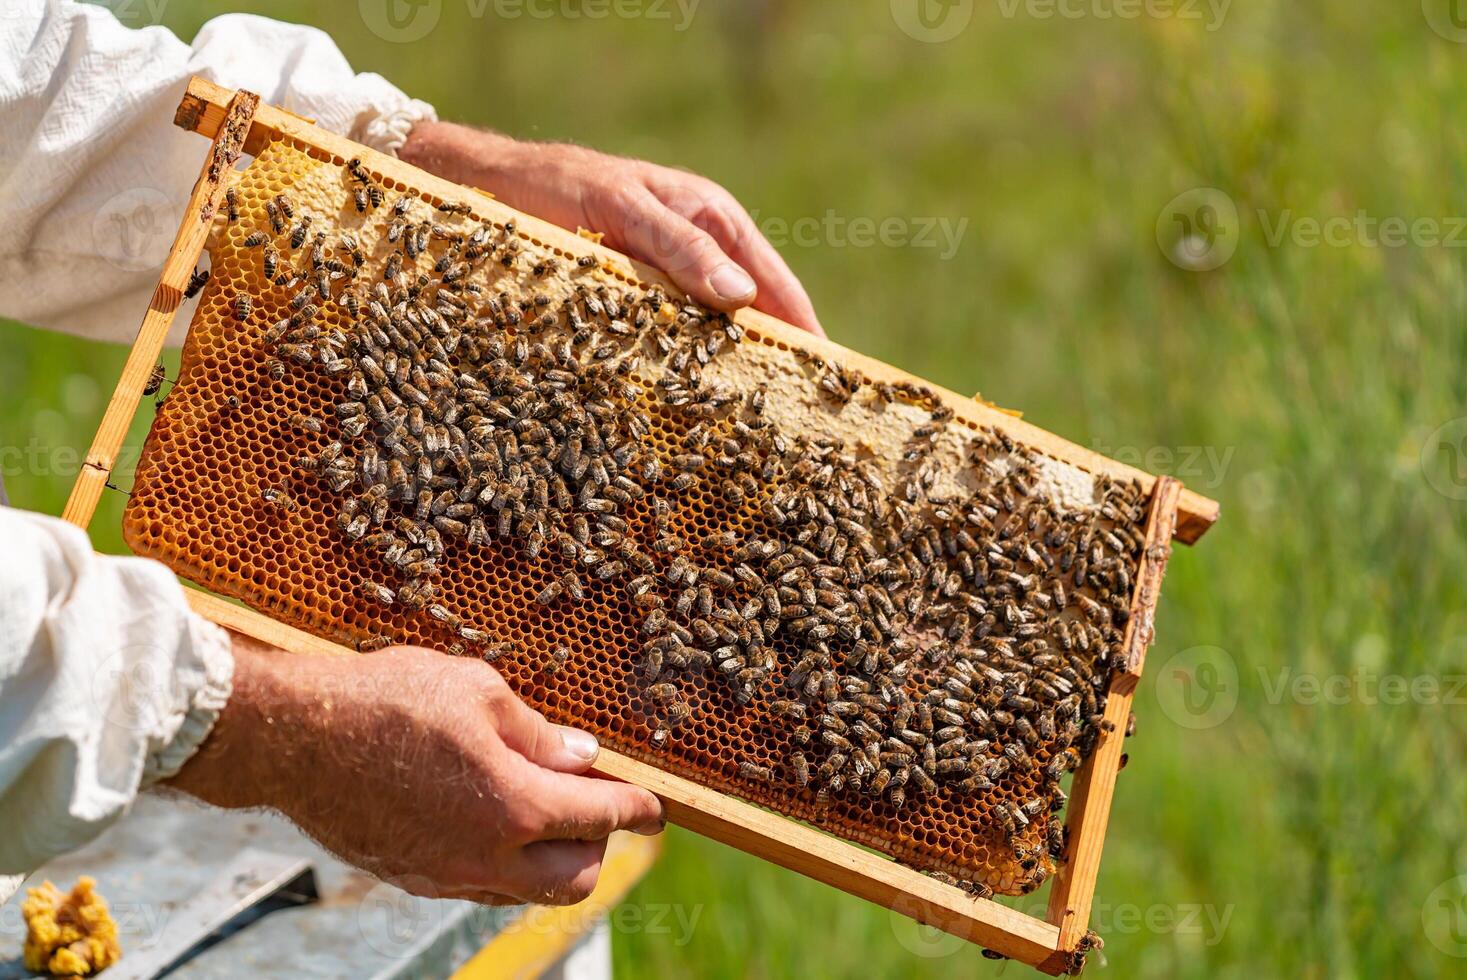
pixel 656 234
pixel 551 746
pixel 780 292
pixel 586 808
pixel 560 872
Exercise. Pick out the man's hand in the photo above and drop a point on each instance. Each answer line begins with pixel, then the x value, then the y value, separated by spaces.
pixel 684 224
pixel 417 766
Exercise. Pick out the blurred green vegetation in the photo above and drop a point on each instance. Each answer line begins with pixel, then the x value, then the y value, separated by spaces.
pixel 1314 374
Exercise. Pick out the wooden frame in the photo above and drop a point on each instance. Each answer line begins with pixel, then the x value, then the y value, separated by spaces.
pixel 238 123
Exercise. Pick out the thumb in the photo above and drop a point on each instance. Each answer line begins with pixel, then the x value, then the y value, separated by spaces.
pixel 549 746
pixel 661 237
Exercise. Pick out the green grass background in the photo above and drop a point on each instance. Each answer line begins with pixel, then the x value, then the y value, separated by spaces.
pixel 1318 830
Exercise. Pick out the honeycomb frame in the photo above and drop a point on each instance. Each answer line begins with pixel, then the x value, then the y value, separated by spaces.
pixel 326 622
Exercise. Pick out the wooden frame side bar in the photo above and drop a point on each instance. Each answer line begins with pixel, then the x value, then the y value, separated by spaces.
pixel 203 108
pixel 234 125
pixel 1073 889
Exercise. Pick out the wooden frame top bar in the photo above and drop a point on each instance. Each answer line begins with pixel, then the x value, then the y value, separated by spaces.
pixel 203 109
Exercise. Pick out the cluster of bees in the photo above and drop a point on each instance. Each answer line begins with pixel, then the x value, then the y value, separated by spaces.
pixel 908 642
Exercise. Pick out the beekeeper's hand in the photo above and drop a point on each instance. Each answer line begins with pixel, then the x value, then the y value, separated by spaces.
pixel 686 225
pixel 422 768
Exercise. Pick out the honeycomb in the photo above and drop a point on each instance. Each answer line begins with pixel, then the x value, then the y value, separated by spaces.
pixel 230 493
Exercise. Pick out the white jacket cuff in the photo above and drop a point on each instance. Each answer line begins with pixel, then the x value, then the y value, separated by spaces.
pixel 108 681
pixel 206 672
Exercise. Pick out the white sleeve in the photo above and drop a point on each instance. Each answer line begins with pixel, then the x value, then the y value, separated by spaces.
pixel 94 176
pixel 108 683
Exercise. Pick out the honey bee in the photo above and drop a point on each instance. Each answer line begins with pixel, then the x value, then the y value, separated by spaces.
pixel 754 771
pixel 664 691
pixel 300 231
pixel 155 380
pixel 231 204
pixel 559 657
pixel 279 499
pixel 494 651
pixel 348 243
pixel 307 423
pixel 784 708
pixel 196 282
pixel 242 307
pixel 378 592
pixel 800 767
pixel 551 592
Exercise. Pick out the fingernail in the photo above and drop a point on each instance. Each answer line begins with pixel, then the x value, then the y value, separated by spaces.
pixel 731 283
pixel 581 744
pixel 651 829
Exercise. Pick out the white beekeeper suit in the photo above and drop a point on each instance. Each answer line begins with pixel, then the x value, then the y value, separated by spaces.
pixel 108 682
